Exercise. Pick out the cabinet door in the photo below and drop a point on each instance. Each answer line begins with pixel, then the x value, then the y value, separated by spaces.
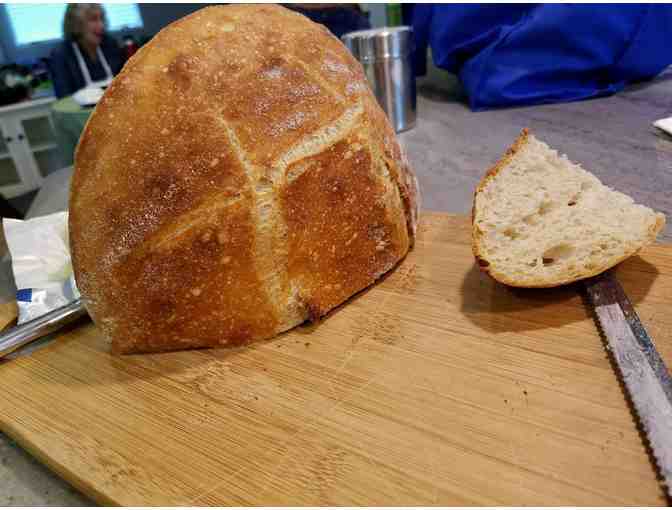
pixel 16 177
pixel 36 129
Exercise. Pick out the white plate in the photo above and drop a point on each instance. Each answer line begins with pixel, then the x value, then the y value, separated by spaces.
pixel 88 96
pixel 664 124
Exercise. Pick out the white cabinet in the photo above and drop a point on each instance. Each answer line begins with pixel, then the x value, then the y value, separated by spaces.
pixel 28 149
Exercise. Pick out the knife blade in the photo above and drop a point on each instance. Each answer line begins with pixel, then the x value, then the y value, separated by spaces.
pixel 32 330
pixel 642 369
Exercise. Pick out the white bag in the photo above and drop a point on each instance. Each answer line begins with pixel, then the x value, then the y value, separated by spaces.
pixel 41 264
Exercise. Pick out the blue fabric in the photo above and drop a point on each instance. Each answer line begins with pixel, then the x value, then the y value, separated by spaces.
pixel 522 54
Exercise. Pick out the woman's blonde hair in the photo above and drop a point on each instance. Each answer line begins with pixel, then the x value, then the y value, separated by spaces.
pixel 73 21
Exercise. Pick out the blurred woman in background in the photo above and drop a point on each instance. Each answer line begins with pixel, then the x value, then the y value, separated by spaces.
pixel 86 55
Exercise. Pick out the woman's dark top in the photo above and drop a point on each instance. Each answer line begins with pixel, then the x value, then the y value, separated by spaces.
pixel 65 71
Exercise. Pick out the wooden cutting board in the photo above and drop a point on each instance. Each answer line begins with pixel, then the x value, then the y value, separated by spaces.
pixel 437 386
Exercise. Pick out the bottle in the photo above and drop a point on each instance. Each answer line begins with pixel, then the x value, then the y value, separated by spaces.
pixel 130 47
pixel 393 14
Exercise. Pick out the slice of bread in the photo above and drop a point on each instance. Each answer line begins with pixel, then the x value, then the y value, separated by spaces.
pixel 540 220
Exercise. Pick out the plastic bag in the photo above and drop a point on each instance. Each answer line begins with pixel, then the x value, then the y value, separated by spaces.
pixel 41 264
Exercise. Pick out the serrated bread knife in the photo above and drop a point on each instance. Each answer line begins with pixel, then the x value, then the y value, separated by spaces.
pixel 643 371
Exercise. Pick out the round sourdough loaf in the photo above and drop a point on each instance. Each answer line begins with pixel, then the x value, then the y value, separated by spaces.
pixel 236 179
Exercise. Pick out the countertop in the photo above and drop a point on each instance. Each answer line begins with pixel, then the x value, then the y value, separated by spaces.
pixel 451 147
pixel 30 103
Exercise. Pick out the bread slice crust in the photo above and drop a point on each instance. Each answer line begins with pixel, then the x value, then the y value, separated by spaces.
pixel 491 269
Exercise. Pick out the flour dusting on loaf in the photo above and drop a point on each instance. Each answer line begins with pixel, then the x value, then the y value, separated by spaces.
pixel 236 179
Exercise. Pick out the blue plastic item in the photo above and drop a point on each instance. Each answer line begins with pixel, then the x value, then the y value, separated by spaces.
pixel 523 54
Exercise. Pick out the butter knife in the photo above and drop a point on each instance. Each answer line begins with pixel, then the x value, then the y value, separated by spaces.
pixel 643 371
pixel 27 332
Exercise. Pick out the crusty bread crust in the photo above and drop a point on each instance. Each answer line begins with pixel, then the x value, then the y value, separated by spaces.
pixel 477 235
pixel 237 178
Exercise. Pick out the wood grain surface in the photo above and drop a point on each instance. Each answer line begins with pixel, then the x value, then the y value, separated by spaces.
pixel 9 312
pixel 437 386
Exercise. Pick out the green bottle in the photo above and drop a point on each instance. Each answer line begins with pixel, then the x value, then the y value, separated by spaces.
pixel 393 12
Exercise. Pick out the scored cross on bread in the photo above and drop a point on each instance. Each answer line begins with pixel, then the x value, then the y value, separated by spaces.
pixel 540 220
pixel 237 178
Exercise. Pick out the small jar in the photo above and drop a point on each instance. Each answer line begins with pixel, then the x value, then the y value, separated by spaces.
pixel 385 55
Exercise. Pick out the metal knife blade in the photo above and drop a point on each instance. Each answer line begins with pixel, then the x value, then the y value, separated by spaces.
pixel 643 371
pixel 30 331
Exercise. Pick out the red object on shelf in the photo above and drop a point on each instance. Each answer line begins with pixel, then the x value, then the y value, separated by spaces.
pixel 130 47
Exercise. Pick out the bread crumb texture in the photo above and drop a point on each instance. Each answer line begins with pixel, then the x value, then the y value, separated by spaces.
pixel 540 220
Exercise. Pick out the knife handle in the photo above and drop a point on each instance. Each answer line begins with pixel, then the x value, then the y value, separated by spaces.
pixel 29 331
